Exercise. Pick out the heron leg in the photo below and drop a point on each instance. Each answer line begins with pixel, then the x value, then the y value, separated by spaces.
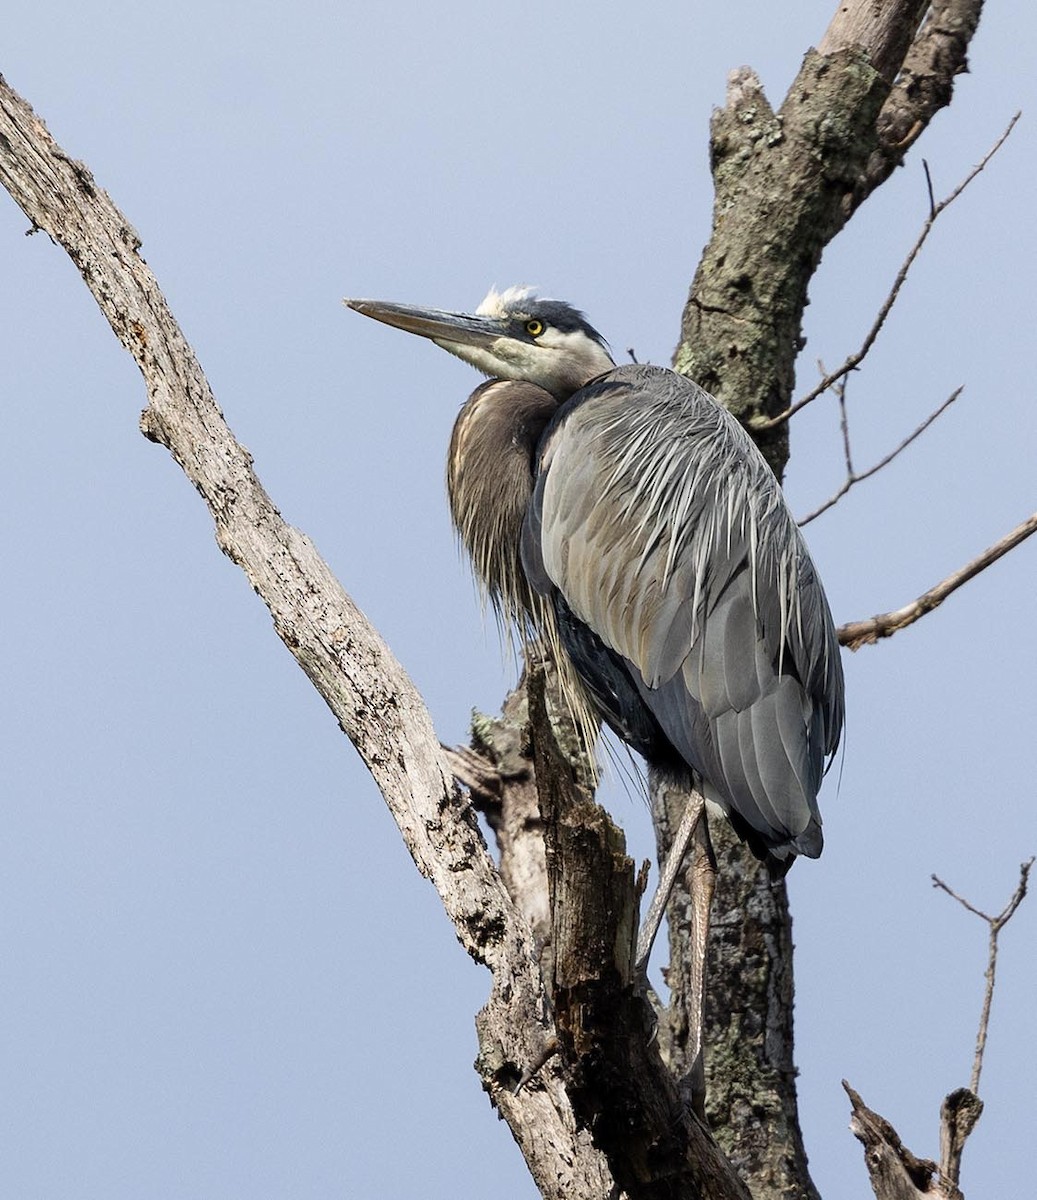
pixel 694 816
pixel 702 885
pixel 692 835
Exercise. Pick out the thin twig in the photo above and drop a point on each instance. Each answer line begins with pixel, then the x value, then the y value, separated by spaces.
pixel 929 186
pixel 844 418
pixel 852 477
pixel 862 633
pixel 854 360
pixel 844 428
pixel 996 924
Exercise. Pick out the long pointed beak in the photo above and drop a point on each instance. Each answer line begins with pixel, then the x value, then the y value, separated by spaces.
pixel 464 329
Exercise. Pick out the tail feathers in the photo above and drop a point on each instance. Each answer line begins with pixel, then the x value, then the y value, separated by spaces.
pixel 777 855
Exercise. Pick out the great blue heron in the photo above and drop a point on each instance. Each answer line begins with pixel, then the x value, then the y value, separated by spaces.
pixel 631 520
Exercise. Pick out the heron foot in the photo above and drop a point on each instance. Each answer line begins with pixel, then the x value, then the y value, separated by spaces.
pixel 550 1049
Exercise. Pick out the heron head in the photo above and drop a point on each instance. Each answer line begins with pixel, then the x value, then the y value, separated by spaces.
pixel 513 334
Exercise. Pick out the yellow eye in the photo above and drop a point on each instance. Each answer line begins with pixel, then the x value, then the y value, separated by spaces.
pixel 534 327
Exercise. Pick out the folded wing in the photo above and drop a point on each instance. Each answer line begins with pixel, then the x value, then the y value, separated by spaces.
pixel 687 598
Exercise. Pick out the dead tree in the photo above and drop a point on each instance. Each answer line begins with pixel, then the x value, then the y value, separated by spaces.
pixel 588 1075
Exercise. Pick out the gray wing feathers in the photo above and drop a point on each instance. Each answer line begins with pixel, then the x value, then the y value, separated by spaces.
pixel 667 534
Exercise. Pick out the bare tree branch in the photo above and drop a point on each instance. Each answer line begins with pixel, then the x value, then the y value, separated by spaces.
pixel 925 82
pixel 371 696
pixel 930 189
pixel 620 1086
pixel 863 633
pixel 996 924
pixel 513 811
pixel 854 360
pixel 854 477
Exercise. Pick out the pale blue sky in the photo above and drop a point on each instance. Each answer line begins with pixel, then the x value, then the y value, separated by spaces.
pixel 222 976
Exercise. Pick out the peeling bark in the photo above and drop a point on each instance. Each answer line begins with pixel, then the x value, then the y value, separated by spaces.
pixel 620 1087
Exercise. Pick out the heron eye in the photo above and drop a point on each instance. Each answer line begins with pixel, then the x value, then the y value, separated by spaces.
pixel 534 327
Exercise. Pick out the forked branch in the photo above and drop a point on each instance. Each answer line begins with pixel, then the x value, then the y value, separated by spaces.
pixel 854 360
pixel 995 924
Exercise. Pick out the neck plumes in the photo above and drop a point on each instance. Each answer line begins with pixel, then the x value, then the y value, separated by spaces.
pixel 490 483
